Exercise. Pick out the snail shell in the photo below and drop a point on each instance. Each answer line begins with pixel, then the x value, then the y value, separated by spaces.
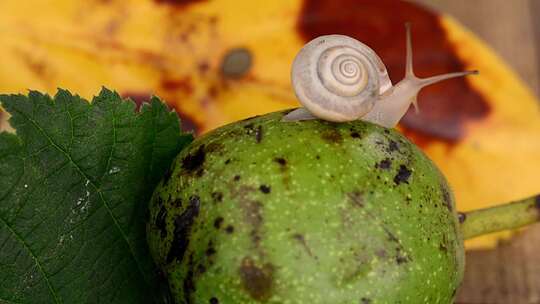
pixel 338 78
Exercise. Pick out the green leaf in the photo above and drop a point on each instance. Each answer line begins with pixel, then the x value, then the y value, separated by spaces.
pixel 74 186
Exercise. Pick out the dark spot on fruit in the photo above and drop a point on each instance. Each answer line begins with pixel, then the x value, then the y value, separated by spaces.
pixel 213 147
pixel 194 161
pixel 189 284
pixel 255 238
pixel 214 300
pixel 177 203
pixel 391 236
pixel 447 198
pixel 393 146
pixel 194 200
pixel 408 199
pixel 257 281
pixel 317 157
pixel 160 221
pixel 217 222
pixel 236 178
pixel 253 213
pixel 254 217
pixel 400 256
pixel 229 229
pixel 449 106
pixel 259 134
pixel 210 251
pixel 384 164
pixel 182 229
pixel 199 172
pixel 217 197
pixel 332 136
pixel 201 269
pixel 356 198
pixel 403 175
pixel 228 161
pixel 400 259
pixel 302 240
pixel 280 160
pixel 462 217
pixel 355 134
pixel 236 63
pixel 265 189
pixel 365 301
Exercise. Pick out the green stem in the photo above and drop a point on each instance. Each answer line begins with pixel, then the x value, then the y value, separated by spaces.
pixel 503 217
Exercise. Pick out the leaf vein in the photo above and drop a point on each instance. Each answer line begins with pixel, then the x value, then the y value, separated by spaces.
pixel 102 198
pixel 34 257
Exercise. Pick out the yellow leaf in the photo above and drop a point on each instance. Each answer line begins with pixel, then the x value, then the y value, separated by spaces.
pixel 219 61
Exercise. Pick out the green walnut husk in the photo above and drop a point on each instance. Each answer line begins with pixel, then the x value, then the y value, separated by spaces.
pixel 265 211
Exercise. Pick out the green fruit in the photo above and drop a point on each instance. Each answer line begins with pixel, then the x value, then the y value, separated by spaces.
pixel 264 211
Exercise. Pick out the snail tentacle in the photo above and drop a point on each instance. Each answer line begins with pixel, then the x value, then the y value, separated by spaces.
pixel 390 108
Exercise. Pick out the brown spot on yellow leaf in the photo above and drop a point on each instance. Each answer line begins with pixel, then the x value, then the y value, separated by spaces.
pixel 35 64
pixel 183 85
pixel 178 2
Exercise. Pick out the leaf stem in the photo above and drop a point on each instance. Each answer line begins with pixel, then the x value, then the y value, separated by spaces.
pixel 512 215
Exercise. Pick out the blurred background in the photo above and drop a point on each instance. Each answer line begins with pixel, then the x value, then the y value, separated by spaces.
pixel 510 28
pixel 217 61
pixel 511 272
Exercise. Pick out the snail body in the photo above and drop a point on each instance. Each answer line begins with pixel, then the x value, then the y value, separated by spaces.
pixel 338 78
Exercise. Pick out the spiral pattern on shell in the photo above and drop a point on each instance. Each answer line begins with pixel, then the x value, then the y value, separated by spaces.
pixel 338 78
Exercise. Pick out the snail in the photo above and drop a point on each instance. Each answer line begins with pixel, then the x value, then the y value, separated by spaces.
pixel 338 78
